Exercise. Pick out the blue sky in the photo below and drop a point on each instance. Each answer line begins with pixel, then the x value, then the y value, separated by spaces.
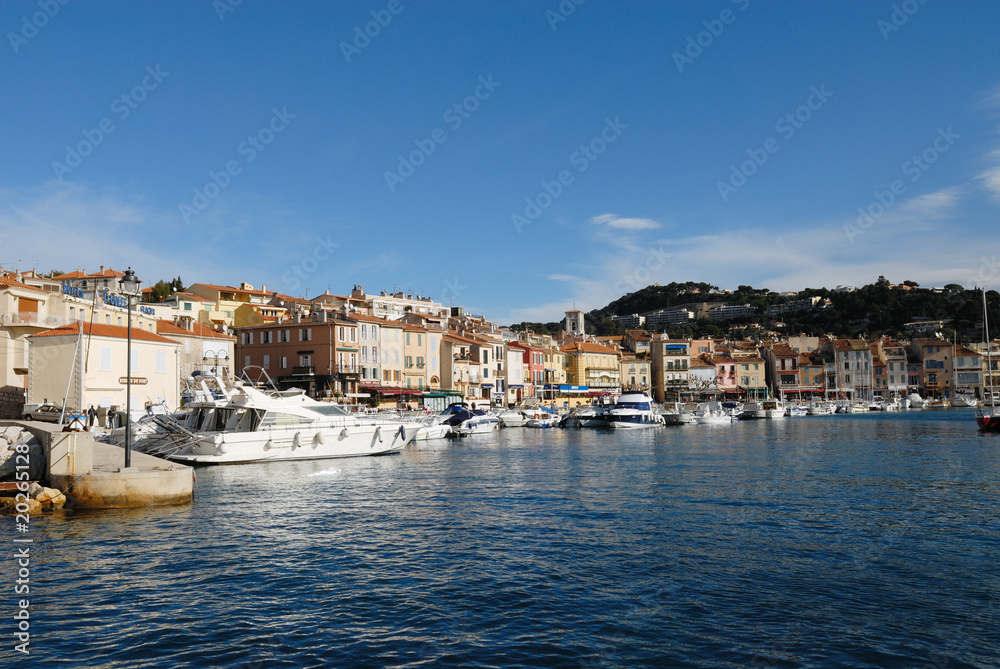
pixel 596 147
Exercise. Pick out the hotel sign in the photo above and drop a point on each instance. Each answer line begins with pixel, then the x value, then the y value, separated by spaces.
pixel 136 380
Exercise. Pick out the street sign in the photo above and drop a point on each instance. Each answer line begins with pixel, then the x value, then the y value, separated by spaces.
pixel 136 380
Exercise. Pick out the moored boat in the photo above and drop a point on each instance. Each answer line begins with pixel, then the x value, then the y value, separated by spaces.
pixel 634 410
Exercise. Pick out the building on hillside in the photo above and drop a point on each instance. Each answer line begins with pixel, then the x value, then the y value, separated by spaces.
pixel 656 320
pixel 752 381
pixel 223 301
pixel 631 321
pixel 393 306
pixel 91 361
pixel 727 311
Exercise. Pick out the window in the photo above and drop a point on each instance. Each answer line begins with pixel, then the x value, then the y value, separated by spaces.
pixel 187 306
pixel 420 339
pixel 847 365
pixel 420 362
pixel 250 337
pixel 266 337
pixel 267 361
pixel 72 313
pixel 385 375
pixel 409 360
pixel 364 354
pixel 353 333
pixel 745 368
pixel 246 361
pixel 407 338
pixel 107 319
pixel 305 361
pixel 341 334
pixel 305 334
pixel 375 354
pixel 161 362
pixel 119 321
pixel 283 362
pixel 374 332
pixel 364 331
pixel 105 358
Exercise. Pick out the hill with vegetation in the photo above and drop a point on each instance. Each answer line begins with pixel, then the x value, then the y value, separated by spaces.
pixel 869 311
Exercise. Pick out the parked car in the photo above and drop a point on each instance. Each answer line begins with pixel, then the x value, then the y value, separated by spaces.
pixel 50 413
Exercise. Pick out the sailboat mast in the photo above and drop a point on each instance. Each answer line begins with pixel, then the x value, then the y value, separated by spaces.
pixel 989 347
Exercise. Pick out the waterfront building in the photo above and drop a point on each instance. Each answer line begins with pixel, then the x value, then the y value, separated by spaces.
pixel 889 367
pixel 782 370
pixel 937 357
pixel 701 377
pixel 318 353
pixel 24 310
pixel 968 372
pixel 592 365
pixel 849 368
pixel 635 373
pixel 726 379
pixel 670 369
pixel 90 360
pixel 752 376
pixel 533 364
pixel 812 372
pixel 393 306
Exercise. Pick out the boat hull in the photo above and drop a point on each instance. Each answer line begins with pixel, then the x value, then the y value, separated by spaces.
pixel 279 444
pixel 988 423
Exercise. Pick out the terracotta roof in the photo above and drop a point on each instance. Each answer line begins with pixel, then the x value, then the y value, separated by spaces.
pixel 701 364
pixel 264 293
pixel 722 360
pixel 962 350
pixel 11 283
pixel 192 296
pixel 101 330
pixel 783 350
pixel 106 274
pixel 198 330
pixel 588 347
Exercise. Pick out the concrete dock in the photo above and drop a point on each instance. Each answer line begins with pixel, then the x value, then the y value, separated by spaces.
pixel 92 474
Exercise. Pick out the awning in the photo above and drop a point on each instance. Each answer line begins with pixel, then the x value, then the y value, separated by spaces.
pixel 399 391
pixel 515 385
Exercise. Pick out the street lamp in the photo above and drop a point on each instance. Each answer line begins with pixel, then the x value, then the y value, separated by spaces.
pixel 129 285
pixel 221 354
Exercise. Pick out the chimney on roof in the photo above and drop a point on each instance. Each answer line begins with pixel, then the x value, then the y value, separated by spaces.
pixel 263 288
pixel 102 269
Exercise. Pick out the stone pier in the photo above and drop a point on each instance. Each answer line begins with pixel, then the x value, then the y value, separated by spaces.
pixel 93 475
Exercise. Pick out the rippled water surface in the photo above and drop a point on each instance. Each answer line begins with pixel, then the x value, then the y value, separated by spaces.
pixel 845 541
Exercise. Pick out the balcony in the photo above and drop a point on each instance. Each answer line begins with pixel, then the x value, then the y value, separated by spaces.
pixel 31 319
pixel 347 369
pixel 303 370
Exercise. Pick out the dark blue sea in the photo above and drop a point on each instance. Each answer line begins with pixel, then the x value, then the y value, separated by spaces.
pixel 843 541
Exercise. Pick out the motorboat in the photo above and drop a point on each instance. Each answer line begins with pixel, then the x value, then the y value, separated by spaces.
pixel 254 426
pixel 798 410
pixel 916 401
pixel 937 403
pixel 677 413
pixel 753 410
pixel 433 428
pixel 774 408
pixel 858 407
pixel 465 420
pixel 821 409
pixel 548 420
pixel 964 401
pixel 634 410
pixel 712 413
pixel 512 417
pixel 595 415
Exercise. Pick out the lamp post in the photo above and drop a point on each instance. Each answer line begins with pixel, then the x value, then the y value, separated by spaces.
pixel 129 285
pixel 222 354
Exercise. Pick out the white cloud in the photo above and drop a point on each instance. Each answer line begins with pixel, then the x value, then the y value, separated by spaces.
pixel 991 175
pixel 615 221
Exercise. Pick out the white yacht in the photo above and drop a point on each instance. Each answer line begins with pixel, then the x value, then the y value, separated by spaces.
pixel 916 401
pixel 821 409
pixel 634 410
pixel 252 426
pixel 465 420
pixel 774 408
pixel 712 413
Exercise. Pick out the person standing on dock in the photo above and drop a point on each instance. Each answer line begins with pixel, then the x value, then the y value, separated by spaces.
pixel 91 416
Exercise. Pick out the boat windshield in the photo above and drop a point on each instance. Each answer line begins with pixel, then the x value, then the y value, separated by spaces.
pixel 639 406
pixel 330 410
pixel 244 420
pixel 282 418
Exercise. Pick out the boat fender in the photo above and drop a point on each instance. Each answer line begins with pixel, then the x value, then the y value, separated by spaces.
pixel 344 434
pixel 378 433
pixel 268 446
pixel 318 439
pixel 223 448
pixel 295 440
pixel 402 432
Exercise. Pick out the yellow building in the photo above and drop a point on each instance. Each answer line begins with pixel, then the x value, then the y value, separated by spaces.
pixel 592 365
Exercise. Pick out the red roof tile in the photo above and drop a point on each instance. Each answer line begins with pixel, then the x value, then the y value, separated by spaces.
pixel 101 330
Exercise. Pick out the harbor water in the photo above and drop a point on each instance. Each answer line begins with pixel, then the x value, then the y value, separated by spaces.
pixel 841 541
